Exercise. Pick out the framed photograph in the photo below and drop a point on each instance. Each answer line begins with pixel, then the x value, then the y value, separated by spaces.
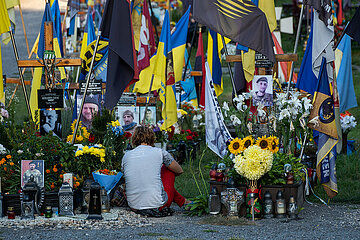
pixel 32 169
pixel 92 105
pixel 50 121
pixel 262 90
pixel 150 115
pixel 128 116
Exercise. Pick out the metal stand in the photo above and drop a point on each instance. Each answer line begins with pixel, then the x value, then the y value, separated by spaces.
pixel 229 67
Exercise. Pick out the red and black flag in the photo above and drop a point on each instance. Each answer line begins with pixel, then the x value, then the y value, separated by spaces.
pixel 122 67
pixel 239 20
pixel 200 66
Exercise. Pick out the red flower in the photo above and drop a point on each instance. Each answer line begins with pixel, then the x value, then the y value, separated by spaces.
pixel 91 138
pixel 189 138
pixel 37 134
pixel 195 134
pixel 182 131
pixel 188 131
pixel 128 135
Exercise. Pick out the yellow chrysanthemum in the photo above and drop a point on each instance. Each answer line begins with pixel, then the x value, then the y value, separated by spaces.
pixel 253 163
pixel 274 144
pixel 263 142
pixel 247 141
pixel 182 112
pixel 235 146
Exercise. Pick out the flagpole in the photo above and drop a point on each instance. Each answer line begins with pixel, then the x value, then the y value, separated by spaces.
pixel 229 67
pixel 20 73
pixel 191 47
pixel 86 87
pixel 295 47
pixel 148 97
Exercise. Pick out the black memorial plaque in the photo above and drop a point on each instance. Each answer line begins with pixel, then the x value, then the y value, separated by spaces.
pixel 50 98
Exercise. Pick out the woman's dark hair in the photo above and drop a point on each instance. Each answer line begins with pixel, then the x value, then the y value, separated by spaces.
pixel 143 134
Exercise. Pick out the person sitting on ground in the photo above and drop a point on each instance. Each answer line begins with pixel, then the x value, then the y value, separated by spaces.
pixel 150 176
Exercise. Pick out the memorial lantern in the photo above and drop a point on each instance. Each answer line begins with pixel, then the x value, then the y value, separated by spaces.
pixel 293 208
pixel 280 205
pixel 268 205
pixel 105 201
pixel 32 198
pixel 214 202
pixel 66 200
pixel 94 211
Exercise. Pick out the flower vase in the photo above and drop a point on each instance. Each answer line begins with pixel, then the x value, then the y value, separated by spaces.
pixel 253 204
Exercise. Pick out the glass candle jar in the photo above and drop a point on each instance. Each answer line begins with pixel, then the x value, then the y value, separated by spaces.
pixel 11 213
pixel 48 212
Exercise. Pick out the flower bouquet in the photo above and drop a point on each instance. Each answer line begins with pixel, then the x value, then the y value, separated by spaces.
pixel 106 178
pixel 88 159
pixel 347 122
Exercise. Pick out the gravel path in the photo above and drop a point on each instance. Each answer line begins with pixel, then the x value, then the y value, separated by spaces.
pixel 316 222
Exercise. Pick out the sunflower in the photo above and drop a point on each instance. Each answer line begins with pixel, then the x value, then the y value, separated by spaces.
pixel 247 141
pixel 263 142
pixel 235 146
pixel 274 144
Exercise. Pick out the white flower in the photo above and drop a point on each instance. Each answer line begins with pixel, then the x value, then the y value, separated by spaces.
pixel 235 120
pixel 20 151
pixel 226 106
pixel 239 99
pixel 347 122
pixel 2 149
pixel 39 154
pixel 307 104
pixel 246 95
pixel 199 117
pixel 260 111
pixel 284 114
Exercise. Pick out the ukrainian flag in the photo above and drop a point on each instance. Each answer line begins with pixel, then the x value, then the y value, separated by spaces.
pixel 89 34
pixel 178 44
pixel 40 53
pixel 215 46
pixel 165 71
pixel 4 27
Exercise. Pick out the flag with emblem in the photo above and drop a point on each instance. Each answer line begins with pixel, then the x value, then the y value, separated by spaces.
pixel 322 119
pixel 240 20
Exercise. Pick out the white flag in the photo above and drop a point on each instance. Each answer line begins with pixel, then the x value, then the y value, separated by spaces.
pixel 216 132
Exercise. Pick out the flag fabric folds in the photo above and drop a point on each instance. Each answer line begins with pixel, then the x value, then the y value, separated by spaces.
pixel 323 106
pixel 177 43
pixel 136 21
pixel 200 66
pixel 147 41
pixel 215 46
pixel 217 134
pixel 4 27
pixel 188 85
pixel 4 18
pixel 55 14
pixel 322 119
pixel 319 44
pixel 239 20
pixel 344 78
pixel 165 70
pixel 10 5
pixel 353 29
pixel 122 67
pixel 89 34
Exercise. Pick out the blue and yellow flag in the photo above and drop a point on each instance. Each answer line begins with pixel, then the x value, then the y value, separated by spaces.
pixel 178 44
pixel 322 119
pixel 165 70
pixel 215 46
pixel 55 14
pixel 40 53
pixel 4 27
pixel 344 78
pixel 89 34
